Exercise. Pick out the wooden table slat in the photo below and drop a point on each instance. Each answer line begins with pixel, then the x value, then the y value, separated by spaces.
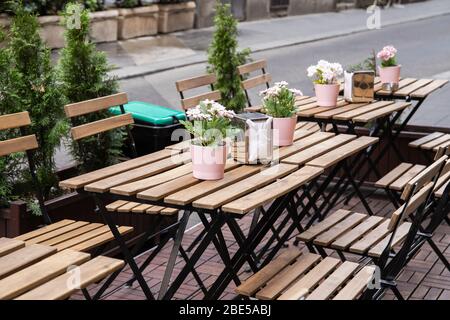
pixel 239 189
pixel 425 91
pixel 9 245
pixel 151 169
pixel 319 149
pixel 302 144
pixel 406 91
pixel 381 112
pixel 146 183
pixel 275 190
pixel 335 111
pixel 187 195
pixel 359 111
pixel 84 179
pixel 164 189
pixel 313 111
pixel 403 83
pixel 342 152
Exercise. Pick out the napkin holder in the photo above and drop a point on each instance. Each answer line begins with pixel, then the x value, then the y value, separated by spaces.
pixel 252 142
pixel 359 86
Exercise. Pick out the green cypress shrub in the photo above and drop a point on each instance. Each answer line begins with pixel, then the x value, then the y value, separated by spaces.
pixel 224 58
pixel 83 72
pixel 32 87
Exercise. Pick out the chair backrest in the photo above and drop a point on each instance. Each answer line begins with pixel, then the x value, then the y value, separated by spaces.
pixel 442 151
pixel 85 130
pixel 417 195
pixel 20 144
pixel 25 143
pixel 250 82
pixel 195 83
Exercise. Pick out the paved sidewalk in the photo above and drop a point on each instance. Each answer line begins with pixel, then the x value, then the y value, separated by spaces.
pixel 149 55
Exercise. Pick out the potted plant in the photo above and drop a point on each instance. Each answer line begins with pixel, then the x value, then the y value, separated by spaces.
pixel 279 102
pixel 325 77
pixel 389 70
pixel 209 123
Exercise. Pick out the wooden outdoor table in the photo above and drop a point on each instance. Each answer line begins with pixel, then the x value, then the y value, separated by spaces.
pixel 165 179
pixel 409 88
pixel 40 272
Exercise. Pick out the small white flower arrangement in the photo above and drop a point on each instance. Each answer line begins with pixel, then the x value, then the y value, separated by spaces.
pixel 325 72
pixel 208 123
pixel 279 100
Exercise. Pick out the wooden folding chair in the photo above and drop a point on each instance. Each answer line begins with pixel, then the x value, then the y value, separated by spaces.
pixel 207 80
pixel 254 81
pixel 85 130
pixel 65 234
pixel 377 237
pixel 395 180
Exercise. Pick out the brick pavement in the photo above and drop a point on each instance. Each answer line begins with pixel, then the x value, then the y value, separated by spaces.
pixel 424 278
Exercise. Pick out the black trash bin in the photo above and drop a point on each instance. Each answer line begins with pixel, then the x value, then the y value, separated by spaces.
pixel 153 126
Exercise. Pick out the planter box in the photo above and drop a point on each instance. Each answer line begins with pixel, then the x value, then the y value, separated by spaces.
pixel 104 26
pixel 367 3
pixel 205 13
pixel 176 17
pixel 298 7
pixel 138 22
pixel 257 9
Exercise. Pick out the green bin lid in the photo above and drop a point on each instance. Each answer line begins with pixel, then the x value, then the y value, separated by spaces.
pixel 151 113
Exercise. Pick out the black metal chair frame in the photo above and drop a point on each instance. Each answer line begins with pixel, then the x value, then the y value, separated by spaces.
pixel 391 263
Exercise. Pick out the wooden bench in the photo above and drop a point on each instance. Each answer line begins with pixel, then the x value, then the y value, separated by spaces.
pixel 41 272
pixel 306 276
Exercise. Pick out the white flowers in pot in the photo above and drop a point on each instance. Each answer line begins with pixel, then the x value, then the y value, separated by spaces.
pixel 325 78
pixel 389 69
pixel 209 123
pixel 279 102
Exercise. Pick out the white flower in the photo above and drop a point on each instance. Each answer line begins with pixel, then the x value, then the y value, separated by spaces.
pixel 312 70
pixel 296 92
pixel 325 72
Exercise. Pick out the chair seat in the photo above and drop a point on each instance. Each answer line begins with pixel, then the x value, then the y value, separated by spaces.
pixel 432 141
pixel 397 178
pixel 136 207
pixel 354 232
pixel 70 234
pixel 295 275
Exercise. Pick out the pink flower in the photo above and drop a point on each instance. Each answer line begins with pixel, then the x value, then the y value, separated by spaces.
pixel 387 53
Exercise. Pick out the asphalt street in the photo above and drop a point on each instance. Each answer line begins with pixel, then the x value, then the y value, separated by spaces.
pixel 424 51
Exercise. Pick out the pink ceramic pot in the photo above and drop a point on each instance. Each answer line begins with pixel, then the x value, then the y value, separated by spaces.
pixel 327 94
pixel 283 131
pixel 208 163
pixel 390 75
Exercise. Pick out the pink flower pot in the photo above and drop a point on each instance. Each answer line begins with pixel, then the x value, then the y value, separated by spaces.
pixel 283 131
pixel 327 94
pixel 390 75
pixel 208 163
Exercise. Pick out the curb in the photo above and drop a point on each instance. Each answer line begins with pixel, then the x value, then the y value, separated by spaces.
pixel 201 57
